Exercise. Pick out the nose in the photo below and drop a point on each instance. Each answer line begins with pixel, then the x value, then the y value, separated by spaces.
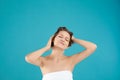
pixel 62 39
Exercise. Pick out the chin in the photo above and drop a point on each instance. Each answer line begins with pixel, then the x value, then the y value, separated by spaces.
pixel 61 47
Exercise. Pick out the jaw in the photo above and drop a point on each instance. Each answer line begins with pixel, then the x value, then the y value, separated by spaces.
pixel 60 48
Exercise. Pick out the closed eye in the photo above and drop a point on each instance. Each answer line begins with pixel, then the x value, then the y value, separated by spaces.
pixel 60 36
pixel 66 39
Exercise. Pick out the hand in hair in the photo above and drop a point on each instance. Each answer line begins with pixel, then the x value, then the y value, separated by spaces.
pixel 48 46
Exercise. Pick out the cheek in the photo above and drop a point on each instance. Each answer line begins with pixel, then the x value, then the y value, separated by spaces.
pixel 55 40
pixel 67 42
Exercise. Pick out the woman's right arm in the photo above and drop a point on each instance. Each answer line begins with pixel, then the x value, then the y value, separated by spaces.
pixel 35 57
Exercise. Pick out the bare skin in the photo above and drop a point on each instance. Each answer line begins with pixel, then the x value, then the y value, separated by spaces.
pixel 57 61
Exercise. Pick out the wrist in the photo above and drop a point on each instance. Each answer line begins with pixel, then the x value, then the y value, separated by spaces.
pixel 73 38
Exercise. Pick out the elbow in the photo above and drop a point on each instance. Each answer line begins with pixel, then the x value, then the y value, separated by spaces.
pixel 27 59
pixel 93 47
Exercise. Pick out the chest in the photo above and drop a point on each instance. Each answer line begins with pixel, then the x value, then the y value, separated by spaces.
pixel 55 65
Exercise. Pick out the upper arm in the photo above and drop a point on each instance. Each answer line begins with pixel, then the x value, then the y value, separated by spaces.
pixel 76 58
pixel 37 62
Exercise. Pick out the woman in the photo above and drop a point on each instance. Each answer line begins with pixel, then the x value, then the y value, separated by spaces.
pixel 57 66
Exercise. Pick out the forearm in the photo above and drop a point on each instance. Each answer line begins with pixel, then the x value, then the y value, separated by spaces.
pixel 86 44
pixel 36 54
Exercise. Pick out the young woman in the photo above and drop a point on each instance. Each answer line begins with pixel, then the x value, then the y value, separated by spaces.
pixel 57 66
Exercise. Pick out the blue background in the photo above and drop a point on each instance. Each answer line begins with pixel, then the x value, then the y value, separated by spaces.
pixel 26 25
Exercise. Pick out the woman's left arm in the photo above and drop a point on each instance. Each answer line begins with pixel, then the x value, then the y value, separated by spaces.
pixel 89 49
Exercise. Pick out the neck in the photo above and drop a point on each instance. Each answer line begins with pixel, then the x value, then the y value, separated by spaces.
pixel 57 53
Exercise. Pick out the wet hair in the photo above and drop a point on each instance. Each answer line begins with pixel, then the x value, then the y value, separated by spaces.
pixel 62 29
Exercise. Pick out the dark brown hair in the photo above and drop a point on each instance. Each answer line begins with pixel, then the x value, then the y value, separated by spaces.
pixel 62 29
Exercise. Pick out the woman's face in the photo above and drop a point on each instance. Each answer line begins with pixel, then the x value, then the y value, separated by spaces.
pixel 62 40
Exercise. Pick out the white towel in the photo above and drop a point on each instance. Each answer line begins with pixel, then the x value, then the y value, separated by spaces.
pixel 58 75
